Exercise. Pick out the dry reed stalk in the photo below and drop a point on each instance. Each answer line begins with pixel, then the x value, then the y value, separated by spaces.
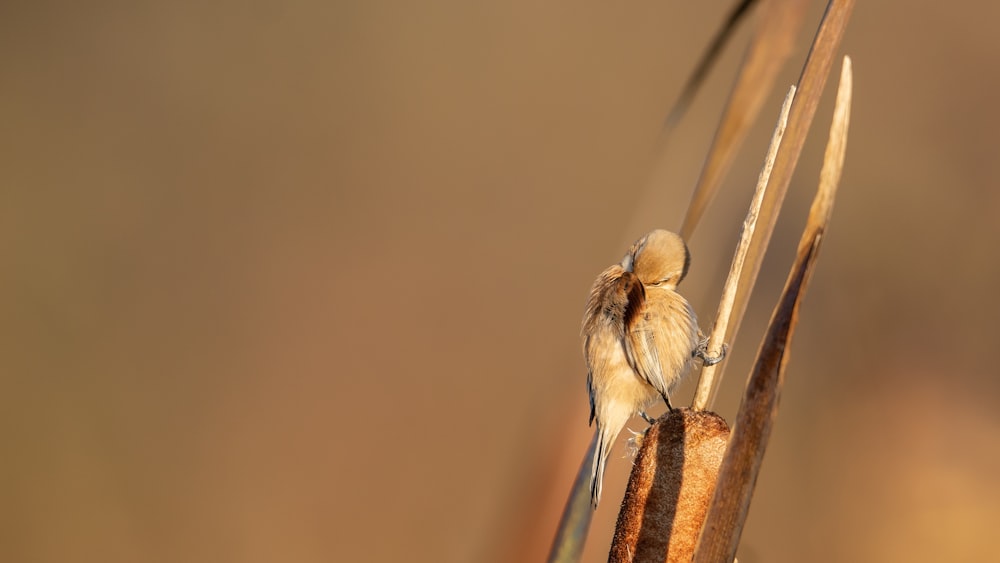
pixel 705 64
pixel 731 501
pixel 809 89
pixel 778 25
pixel 723 316
pixel 575 521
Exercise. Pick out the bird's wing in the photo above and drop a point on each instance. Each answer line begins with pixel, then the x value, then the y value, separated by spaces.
pixel 613 299
pixel 660 338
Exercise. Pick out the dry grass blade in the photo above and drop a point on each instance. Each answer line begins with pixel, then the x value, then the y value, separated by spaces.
pixel 575 522
pixel 708 59
pixel 810 88
pixel 722 318
pixel 836 150
pixel 758 410
pixel 774 38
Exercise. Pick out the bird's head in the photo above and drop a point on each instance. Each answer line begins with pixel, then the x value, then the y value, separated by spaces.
pixel 658 259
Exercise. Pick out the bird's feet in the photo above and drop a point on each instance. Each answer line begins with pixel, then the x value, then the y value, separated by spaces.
pixel 702 352
pixel 666 399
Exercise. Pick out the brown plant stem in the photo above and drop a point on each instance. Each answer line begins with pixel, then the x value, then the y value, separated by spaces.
pixel 778 24
pixel 809 89
pixel 759 408
pixel 571 534
pixel 725 312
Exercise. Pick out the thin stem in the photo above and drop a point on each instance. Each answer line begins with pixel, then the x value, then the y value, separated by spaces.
pixel 722 319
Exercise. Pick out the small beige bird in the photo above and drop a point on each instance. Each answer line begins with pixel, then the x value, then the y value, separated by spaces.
pixel 639 338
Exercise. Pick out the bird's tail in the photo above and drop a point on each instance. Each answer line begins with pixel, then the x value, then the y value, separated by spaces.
pixel 605 440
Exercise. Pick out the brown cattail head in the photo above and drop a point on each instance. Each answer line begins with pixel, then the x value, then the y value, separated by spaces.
pixel 670 487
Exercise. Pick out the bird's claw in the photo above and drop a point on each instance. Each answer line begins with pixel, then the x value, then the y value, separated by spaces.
pixel 702 352
pixel 666 399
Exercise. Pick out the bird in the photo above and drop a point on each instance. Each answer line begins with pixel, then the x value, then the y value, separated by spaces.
pixel 640 338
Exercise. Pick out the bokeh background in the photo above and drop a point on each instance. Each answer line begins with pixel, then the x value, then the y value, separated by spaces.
pixel 303 281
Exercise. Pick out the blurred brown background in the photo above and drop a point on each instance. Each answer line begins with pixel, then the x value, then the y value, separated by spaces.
pixel 303 282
